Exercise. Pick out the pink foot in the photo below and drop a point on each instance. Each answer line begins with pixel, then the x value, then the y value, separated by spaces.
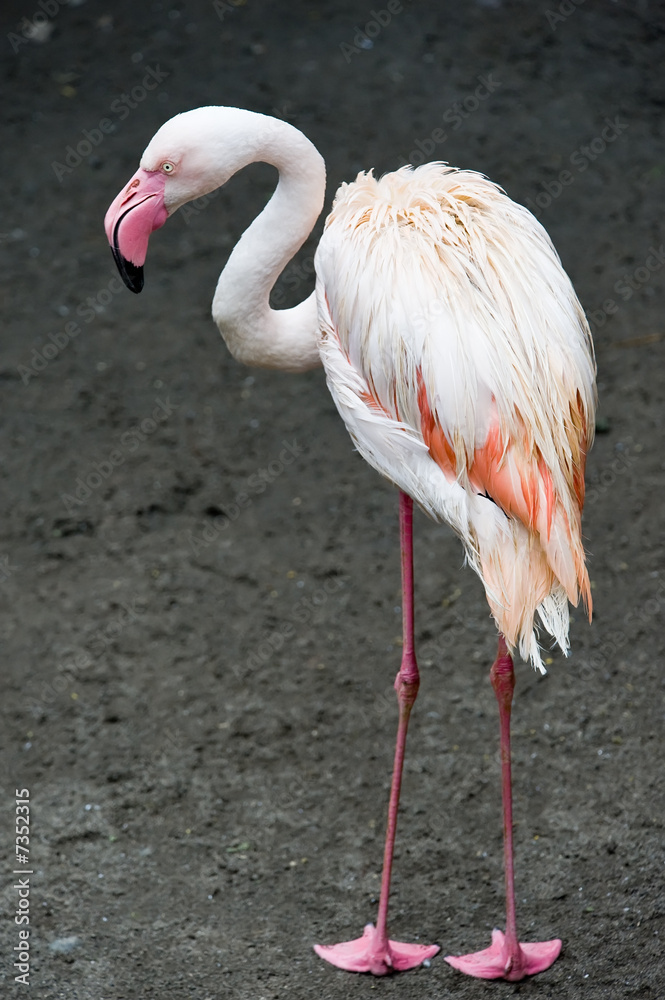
pixel 371 953
pixel 500 962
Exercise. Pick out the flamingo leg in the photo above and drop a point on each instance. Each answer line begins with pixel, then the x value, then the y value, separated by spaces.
pixel 374 952
pixel 506 958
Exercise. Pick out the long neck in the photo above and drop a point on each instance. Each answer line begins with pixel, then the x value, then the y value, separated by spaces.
pixel 255 333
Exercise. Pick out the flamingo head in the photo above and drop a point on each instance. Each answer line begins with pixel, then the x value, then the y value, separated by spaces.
pixel 190 156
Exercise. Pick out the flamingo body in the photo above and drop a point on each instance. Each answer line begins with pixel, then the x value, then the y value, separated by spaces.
pixel 462 364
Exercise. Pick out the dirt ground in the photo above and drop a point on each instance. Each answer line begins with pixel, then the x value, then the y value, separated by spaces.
pixel 197 692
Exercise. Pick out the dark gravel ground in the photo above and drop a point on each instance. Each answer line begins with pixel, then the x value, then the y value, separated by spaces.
pixel 202 709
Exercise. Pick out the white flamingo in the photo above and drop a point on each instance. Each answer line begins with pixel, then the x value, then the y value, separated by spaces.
pixel 462 364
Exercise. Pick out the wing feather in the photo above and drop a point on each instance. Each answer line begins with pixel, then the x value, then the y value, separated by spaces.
pixel 450 304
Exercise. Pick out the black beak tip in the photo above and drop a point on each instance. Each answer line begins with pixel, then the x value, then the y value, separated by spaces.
pixel 131 274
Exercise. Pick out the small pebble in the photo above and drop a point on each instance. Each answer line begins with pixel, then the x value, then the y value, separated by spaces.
pixel 64 944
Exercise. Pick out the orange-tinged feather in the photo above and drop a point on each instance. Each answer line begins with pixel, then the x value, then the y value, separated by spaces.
pixel 434 437
pixel 515 476
pixel 495 315
pixel 369 399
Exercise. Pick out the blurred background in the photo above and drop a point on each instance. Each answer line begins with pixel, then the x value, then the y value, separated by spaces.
pixel 198 693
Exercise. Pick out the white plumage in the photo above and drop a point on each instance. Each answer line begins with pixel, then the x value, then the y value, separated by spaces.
pixel 454 345
pixel 461 362
pixel 431 280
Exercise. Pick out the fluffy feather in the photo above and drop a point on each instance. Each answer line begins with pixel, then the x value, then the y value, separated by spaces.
pixel 461 361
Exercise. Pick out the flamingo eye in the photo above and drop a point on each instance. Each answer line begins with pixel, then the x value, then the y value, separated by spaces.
pixel 168 167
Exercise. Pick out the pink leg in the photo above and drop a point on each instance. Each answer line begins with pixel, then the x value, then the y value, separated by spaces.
pixel 506 958
pixel 374 952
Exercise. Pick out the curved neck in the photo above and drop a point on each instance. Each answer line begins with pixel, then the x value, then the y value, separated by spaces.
pixel 255 333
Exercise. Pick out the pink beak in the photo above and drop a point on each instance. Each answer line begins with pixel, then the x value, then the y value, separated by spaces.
pixel 134 214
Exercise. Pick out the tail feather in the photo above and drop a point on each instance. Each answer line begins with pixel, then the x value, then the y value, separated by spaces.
pixel 553 613
pixel 565 554
pixel 518 581
pixel 529 577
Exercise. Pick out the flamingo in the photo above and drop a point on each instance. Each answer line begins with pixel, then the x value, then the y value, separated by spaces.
pixel 462 364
